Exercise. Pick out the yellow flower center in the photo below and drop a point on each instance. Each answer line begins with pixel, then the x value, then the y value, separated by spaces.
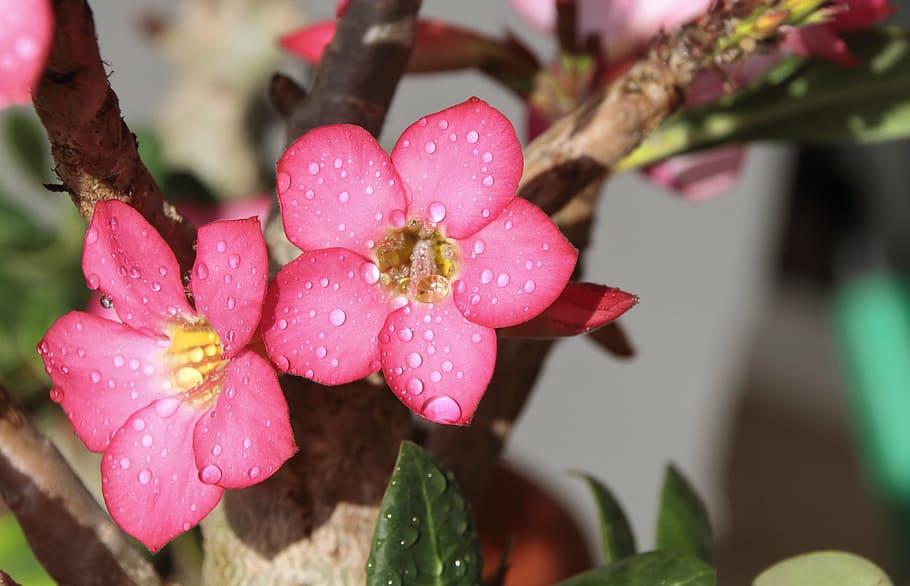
pixel 197 361
pixel 417 261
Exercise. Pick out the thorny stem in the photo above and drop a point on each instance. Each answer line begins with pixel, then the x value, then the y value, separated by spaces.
pixel 68 532
pixel 95 154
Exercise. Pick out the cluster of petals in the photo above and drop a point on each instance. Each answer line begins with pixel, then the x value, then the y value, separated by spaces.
pixel 330 315
pixel 173 395
pixel 26 32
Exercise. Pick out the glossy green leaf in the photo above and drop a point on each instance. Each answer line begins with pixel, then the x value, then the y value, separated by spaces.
pixel 425 534
pixel 617 540
pixel 682 522
pixel 656 568
pixel 824 568
pixel 27 142
pixel 814 101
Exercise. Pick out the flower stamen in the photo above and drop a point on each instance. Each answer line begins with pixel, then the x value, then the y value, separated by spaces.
pixel 417 261
pixel 197 359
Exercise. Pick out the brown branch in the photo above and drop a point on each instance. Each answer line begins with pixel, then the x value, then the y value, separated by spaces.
pixel 313 520
pixel 564 170
pixel 360 69
pixel 95 153
pixel 68 532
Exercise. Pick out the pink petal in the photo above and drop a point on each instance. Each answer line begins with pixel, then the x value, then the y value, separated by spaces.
pixel 822 41
pixel 540 13
pixel 200 214
pixel 581 308
pixel 26 32
pixel 247 436
pixel 229 279
pixel 337 188
pixel 437 362
pixel 861 14
pixel 129 262
pixel 309 42
pixel 701 175
pixel 102 372
pixel 149 477
pixel 461 165
pixel 322 315
pixel 514 268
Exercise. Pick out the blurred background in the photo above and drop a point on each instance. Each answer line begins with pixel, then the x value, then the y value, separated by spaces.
pixel 750 372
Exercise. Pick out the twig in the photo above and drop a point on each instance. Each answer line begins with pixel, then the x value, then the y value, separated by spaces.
pixel 95 153
pixel 563 172
pixel 68 532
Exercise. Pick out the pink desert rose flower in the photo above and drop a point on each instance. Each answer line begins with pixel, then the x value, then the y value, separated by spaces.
pixel 26 32
pixel 410 261
pixel 174 397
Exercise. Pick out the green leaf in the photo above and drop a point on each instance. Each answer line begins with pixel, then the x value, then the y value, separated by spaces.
pixel 425 534
pixel 682 523
pixel 28 144
pixel 814 101
pixel 617 540
pixel 824 568
pixel 661 568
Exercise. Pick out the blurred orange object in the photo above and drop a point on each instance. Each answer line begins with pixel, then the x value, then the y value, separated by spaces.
pixel 546 543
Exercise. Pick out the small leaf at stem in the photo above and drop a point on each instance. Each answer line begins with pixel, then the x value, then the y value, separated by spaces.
pixel 648 569
pixel 425 534
pixel 617 540
pixel 824 568
pixel 682 522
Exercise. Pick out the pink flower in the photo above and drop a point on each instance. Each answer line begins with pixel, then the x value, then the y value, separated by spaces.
pixel 26 32
pixel 176 399
pixel 824 40
pixel 410 261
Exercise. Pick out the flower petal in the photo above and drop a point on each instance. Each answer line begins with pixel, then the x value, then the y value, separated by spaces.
pixel 247 436
pixel 581 308
pixel 229 279
pixel 437 362
pixel 102 372
pixel 309 42
pixel 337 188
pixel 129 262
pixel 700 175
pixel 461 165
pixel 149 477
pixel 322 315
pixel 514 268
pixel 26 31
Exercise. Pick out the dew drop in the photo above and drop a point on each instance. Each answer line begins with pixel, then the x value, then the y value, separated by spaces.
pixel 448 366
pixel 405 334
pixel 282 363
pixel 309 194
pixel 529 286
pixel 337 163
pixel 415 386
pixel 255 472
pixel 147 441
pixel 430 147
pixel 396 218
pixel 216 450
pixel 337 317
pixel 234 261
pixel 139 424
pixel 442 409
pixel 95 376
pixel 435 376
pixel 474 299
pixel 231 302
pixel 472 137
pixel 414 359
pixel 313 168
pixel 118 361
pixel 211 474
pixel 247 442
pixel 56 394
pixel 167 407
pixel 437 211
pixel 221 246
pixel 487 181
pixel 428 335
pixel 125 463
pixel 145 476
pixel 487 157
pixel 344 196
pixel 106 302
pixel 479 246
pixel 284 181
pixel 91 236
pixel 321 352
pixel 370 273
pixel 502 280
pixel 282 324
pixel 475 338
pixel 486 277
pixel 443 124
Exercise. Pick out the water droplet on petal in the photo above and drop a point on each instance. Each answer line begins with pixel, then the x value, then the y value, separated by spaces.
pixel 337 317
pixel 234 261
pixel 95 376
pixel 202 270
pixel 247 442
pixel 125 463
pixel 442 409
pixel 231 302
pixel 167 407
pixel 147 441
pixel 502 280
pixel 414 359
pixel 344 196
pixel 415 386
pixel 370 273
pixel 430 147
pixel 313 168
pixel 106 302
pixel 91 236
pixel 221 246
pixel 211 474
pixel 396 218
pixel 487 181
pixel 284 181
pixel 437 211
pixel 56 394
pixel 145 476
pixel 479 246
pixel 405 334
pixel 321 352
pixel 529 286
pixel 282 363
pixel 216 450
pixel 255 472
pixel 139 424
pixel 472 137
pixel 487 157
pixel 486 277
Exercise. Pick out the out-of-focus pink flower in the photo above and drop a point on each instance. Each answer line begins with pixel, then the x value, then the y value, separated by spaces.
pixel 174 397
pixel 824 40
pixel 26 32
pixel 580 309
pixel 200 214
pixel 410 261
